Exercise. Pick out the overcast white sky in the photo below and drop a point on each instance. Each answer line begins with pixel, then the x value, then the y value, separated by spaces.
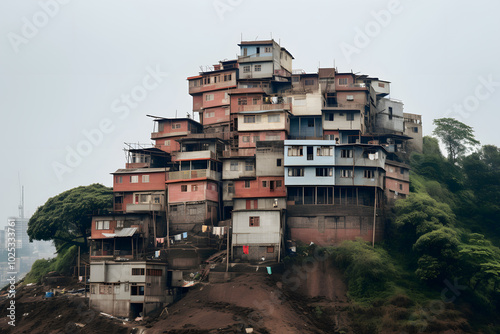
pixel 66 73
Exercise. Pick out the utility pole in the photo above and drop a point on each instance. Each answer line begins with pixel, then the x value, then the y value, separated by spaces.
pixel 374 216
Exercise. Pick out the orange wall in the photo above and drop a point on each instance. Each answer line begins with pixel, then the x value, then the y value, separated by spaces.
pixel 257 190
pixel 173 147
pixel 219 99
pixel 205 191
pixel 219 115
pixel 156 182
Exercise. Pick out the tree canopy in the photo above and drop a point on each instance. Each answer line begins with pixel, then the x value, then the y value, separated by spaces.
pixel 67 217
pixel 456 136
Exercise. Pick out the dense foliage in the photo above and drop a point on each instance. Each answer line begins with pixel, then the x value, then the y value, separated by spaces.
pixel 446 233
pixel 66 218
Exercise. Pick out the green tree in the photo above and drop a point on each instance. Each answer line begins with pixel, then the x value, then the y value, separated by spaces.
pixel 66 218
pixel 456 136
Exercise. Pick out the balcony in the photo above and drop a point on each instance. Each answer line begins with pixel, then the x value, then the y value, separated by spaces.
pixel 194 155
pixel 261 107
pixel 242 152
pixel 344 106
pixel 194 174
pixel 282 73
pixel 355 86
pixel 158 135
pixel 144 207
pixel 257 57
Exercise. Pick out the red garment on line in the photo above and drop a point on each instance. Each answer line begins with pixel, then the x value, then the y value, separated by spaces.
pixel 245 249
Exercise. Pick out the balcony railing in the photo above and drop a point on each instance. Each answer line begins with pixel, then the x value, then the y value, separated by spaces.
pixel 143 207
pixel 206 154
pixel 194 174
pixel 156 135
pixel 344 106
pixel 259 107
pixel 351 86
pixel 242 152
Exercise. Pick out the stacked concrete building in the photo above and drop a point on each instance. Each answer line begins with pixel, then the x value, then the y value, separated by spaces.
pixel 278 157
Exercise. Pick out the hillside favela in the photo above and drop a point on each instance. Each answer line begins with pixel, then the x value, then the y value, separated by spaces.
pixel 283 202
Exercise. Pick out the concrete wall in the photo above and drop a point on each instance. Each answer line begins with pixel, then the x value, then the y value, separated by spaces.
pixel 307 104
pixel 262 122
pixel 340 121
pixel 245 168
pixel 256 187
pixel 268 233
pixel 317 160
pixel 189 216
pixel 383 121
pixel 270 159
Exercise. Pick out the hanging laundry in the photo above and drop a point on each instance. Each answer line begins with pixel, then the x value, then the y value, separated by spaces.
pixel 184 235
pixel 160 240
pixel 157 253
pixel 245 249
pixel 178 237
pixel 269 271
pixel 204 228
pixel 217 231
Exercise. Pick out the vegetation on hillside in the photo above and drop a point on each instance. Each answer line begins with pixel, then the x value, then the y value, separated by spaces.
pixel 440 263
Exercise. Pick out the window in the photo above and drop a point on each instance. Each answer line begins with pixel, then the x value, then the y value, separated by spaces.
pixel 173 208
pixel 247 184
pixel 226 111
pixel 92 289
pixel 154 272
pixel 137 290
pixel 248 166
pixel 295 79
pixel 346 173
pixel 273 118
pixel 346 153
pixel 278 183
pixel 119 223
pixel 134 179
pixel 102 225
pixel 264 184
pixel 273 137
pixel 310 123
pixel 390 113
pixel 343 81
pixel 324 171
pixel 258 50
pixel 267 49
pixel 245 139
pixel 192 212
pixel 369 174
pixel 234 166
pixel 309 82
pixel 119 179
pixel 242 101
pixel 209 114
pixel 324 151
pixel 350 97
pixel 176 125
pixel 206 80
pixel 255 139
pixel 295 151
pixel 184 188
pixel 415 129
pixel 167 142
pixel 230 188
pixel 246 69
pixel 296 172
pixel 270 249
pixel 254 221
pixel 257 68
pixel 194 187
pixel 278 162
pixel 227 77
pixel 255 100
pixel 329 116
pixel 138 271
pixel 145 179
pixel 400 186
pixel 209 97
pixel 349 116
pixel 249 119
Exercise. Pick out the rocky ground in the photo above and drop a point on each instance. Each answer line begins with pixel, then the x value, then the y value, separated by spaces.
pixel 264 303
